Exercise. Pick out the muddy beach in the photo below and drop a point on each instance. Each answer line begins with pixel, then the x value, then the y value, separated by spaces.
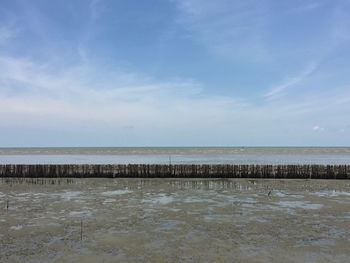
pixel 174 220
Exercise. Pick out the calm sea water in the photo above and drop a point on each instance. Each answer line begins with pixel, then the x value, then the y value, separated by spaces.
pixel 177 155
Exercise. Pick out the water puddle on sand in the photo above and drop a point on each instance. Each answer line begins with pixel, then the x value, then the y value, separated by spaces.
pixel 18 227
pixel 67 196
pixel 160 199
pixel 82 214
pixel 116 192
pixel 169 224
pixel 299 204
pixel 284 194
pixel 171 220
pixel 109 200
pixel 332 193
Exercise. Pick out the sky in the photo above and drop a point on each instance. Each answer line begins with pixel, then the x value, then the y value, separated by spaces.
pixel 174 73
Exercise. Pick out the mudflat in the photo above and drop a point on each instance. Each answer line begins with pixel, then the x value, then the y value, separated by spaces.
pixel 174 220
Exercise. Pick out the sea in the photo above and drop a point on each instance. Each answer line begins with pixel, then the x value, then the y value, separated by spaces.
pixel 176 155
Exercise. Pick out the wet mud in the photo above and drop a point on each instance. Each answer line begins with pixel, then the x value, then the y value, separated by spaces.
pixel 174 220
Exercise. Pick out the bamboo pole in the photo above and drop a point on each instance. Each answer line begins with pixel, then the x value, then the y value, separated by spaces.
pixel 178 171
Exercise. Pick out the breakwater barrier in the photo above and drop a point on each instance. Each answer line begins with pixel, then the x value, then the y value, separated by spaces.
pixel 176 171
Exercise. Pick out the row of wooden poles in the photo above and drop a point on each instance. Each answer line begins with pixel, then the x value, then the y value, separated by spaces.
pixel 178 171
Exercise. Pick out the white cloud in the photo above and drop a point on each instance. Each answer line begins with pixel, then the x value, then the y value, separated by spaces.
pixel 35 92
pixel 317 128
pixel 84 97
pixel 279 90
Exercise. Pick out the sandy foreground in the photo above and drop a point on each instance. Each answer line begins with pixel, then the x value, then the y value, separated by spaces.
pixel 174 220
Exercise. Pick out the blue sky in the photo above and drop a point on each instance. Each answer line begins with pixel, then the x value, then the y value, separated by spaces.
pixel 174 73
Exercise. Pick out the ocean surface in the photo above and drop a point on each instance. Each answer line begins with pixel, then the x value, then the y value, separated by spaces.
pixel 176 155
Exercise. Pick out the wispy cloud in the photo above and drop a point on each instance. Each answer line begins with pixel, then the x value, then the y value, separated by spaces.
pixel 281 89
pixel 29 90
pixel 95 8
pixel 341 24
pixel 35 96
pixel 317 128
pixel 308 6
pixel 83 85
pixel 234 29
pixel 6 33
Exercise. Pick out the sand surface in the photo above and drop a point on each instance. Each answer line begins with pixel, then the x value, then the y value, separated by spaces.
pixel 168 220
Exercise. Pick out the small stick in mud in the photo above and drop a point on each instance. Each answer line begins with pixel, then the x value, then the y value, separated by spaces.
pixel 81 230
pixel 7 205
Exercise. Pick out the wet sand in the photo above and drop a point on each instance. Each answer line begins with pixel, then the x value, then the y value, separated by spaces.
pixel 174 220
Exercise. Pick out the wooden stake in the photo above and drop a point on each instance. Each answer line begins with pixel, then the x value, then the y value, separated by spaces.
pixel 81 230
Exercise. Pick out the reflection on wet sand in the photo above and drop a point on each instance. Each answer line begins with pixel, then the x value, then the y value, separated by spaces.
pixel 174 220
